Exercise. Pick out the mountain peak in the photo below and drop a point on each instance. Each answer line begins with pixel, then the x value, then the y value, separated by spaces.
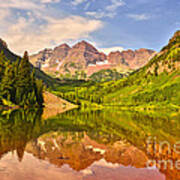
pixel 176 37
pixel 168 59
pixel 177 33
pixel 3 43
pixel 174 41
pixel 114 53
pixel 63 46
pixel 84 42
pixel 84 45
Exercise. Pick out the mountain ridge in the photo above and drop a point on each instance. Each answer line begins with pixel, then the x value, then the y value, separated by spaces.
pixel 83 56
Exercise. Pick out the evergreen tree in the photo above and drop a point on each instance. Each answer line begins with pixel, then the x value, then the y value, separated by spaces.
pixel 3 63
pixel 7 83
pixel 23 83
pixel 18 83
pixel 24 72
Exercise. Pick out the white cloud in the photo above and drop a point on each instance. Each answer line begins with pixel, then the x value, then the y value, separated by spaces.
pixel 110 10
pixel 72 27
pixel 139 17
pixel 100 14
pixel 115 4
pixel 20 4
pixel 4 13
pixel 103 163
pixel 25 4
pixel 111 49
pixel 87 6
pixel 177 23
pixel 77 2
pixel 36 28
pixel 50 1
pixel 24 35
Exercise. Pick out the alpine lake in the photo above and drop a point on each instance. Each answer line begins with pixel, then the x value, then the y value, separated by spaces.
pixel 86 144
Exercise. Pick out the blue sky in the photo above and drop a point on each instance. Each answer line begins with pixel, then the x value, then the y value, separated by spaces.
pixel 108 24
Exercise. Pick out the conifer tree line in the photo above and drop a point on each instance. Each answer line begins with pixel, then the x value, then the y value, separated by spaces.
pixel 18 84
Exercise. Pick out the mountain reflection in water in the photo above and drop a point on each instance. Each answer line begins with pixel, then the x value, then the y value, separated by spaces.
pixel 84 144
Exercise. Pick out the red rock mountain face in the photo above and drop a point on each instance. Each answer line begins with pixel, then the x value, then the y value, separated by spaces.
pixel 59 53
pixel 80 57
pixel 85 57
pixel 88 53
pixel 132 59
pixel 51 56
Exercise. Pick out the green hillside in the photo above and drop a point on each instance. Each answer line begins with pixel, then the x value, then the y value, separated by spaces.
pixel 155 85
pixel 107 75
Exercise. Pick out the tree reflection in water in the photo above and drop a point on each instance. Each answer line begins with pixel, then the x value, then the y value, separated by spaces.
pixel 85 139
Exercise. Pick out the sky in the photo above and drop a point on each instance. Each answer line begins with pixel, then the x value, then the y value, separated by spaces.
pixel 109 25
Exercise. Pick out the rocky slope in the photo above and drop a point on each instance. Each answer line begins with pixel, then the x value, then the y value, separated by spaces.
pixel 130 59
pixel 55 105
pixel 51 57
pixel 85 57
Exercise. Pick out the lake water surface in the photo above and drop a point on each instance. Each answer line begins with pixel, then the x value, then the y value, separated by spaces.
pixel 88 145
